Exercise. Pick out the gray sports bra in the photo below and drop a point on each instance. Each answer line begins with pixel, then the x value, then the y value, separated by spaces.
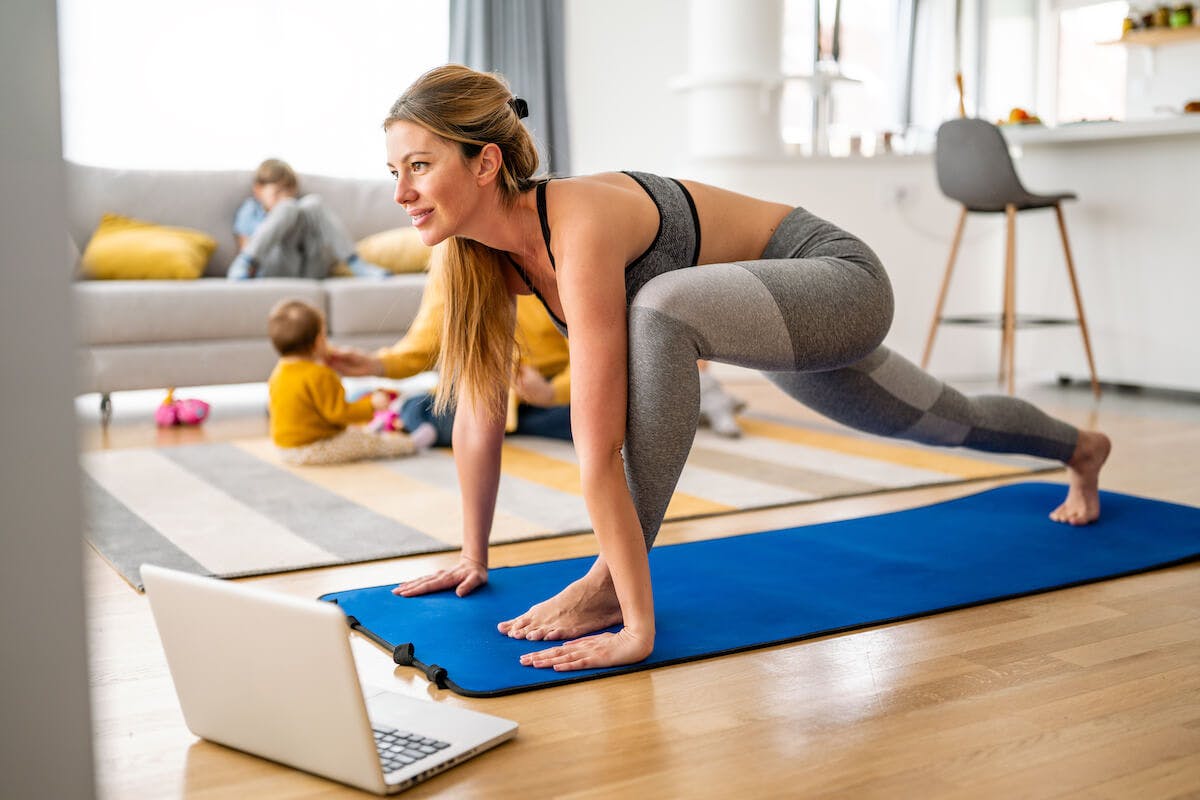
pixel 675 246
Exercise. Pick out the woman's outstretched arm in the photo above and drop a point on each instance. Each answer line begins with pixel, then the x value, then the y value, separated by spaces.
pixel 591 287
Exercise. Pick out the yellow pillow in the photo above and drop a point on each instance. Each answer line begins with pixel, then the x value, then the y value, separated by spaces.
pixel 123 248
pixel 398 250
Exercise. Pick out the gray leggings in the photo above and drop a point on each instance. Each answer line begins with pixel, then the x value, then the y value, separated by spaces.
pixel 811 315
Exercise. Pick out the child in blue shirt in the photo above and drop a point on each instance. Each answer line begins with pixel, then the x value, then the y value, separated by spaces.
pixel 282 235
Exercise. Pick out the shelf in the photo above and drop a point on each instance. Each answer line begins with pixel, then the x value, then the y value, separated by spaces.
pixel 1153 37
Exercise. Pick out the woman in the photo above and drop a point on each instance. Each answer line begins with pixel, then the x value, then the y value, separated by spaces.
pixel 610 255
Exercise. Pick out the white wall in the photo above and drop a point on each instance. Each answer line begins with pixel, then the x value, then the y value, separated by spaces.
pixel 1164 76
pixel 45 725
pixel 621 55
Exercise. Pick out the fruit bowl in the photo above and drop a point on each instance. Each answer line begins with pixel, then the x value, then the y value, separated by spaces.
pixel 1019 116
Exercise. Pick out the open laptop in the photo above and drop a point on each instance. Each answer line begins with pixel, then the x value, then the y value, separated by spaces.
pixel 273 675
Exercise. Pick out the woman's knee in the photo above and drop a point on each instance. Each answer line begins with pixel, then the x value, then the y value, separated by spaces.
pixel 661 310
pixel 669 293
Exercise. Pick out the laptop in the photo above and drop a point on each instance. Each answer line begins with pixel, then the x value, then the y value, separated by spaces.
pixel 273 675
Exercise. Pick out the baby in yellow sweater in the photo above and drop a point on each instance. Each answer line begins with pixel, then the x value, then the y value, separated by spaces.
pixel 311 421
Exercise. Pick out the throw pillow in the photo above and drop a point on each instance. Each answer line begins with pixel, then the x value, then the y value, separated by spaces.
pixel 123 248
pixel 399 250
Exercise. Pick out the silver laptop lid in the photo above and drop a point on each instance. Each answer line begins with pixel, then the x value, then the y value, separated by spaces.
pixel 266 673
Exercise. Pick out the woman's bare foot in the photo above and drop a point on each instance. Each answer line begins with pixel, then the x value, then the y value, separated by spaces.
pixel 1083 495
pixel 584 607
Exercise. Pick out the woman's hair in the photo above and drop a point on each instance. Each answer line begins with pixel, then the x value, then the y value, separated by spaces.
pixel 293 326
pixel 274 170
pixel 473 109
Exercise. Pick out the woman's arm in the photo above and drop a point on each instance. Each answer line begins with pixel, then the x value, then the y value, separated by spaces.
pixel 591 287
pixel 478 436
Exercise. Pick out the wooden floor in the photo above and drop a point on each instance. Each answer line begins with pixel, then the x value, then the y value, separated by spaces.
pixel 1088 692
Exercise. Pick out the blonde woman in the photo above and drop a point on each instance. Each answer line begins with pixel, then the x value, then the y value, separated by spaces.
pixel 646 275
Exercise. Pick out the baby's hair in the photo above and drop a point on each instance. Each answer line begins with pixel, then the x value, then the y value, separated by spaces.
pixel 294 326
pixel 273 170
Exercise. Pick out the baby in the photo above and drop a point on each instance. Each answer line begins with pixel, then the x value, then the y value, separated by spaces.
pixel 311 421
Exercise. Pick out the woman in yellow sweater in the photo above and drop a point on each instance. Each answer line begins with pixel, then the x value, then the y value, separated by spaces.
pixel 311 422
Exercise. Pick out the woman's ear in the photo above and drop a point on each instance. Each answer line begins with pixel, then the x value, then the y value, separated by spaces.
pixel 488 164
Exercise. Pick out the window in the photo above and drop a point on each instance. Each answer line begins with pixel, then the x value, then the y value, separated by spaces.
pixel 855 90
pixel 224 84
pixel 1010 53
pixel 1090 76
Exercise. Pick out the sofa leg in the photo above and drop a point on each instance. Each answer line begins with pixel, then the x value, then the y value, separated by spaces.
pixel 105 409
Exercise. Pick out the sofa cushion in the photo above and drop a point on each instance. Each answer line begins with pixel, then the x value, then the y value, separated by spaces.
pixel 369 307
pixel 399 250
pixel 123 248
pixel 138 312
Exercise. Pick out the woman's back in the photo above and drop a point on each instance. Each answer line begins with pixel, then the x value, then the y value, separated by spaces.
pixel 733 227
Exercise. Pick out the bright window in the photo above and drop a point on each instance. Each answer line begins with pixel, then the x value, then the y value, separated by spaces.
pixel 1010 58
pixel 1091 76
pixel 861 107
pixel 224 84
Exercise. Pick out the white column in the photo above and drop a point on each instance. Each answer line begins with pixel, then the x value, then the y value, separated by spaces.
pixel 734 80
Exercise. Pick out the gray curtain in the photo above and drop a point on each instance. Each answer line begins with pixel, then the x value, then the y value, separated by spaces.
pixel 523 41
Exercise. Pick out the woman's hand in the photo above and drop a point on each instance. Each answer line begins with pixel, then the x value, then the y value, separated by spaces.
pixel 464 577
pixel 597 650
pixel 353 362
pixel 532 388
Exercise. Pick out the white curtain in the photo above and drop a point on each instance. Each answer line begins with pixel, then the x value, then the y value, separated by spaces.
pixel 223 84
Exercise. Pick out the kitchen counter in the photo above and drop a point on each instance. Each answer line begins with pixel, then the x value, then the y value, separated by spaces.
pixel 1133 235
pixel 1181 125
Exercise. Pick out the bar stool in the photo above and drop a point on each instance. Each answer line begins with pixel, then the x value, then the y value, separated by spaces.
pixel 974 168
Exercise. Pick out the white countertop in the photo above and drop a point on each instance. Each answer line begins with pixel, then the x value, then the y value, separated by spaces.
pixel 1182 125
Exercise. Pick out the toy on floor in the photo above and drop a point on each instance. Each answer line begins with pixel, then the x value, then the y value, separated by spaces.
pixel 387 419
pixel 180 412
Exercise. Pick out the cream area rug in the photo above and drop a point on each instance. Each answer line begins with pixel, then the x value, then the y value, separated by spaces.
pixel 234 509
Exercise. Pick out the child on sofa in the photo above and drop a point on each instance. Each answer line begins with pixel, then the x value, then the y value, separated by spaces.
pixel 282 235
pixel 311 421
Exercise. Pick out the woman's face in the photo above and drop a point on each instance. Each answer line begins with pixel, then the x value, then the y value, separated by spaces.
pixel 434 183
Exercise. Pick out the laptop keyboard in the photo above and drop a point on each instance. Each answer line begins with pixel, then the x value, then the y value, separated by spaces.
pixel 398 749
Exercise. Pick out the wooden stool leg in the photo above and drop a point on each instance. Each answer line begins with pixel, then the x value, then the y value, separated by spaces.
pixel 941 301
pixel 1087 342
pixel 1007 356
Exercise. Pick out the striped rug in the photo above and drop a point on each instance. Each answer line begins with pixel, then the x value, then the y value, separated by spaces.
pixel 234 509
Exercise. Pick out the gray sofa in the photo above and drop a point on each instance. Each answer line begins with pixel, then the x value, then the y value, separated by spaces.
pixel 145 334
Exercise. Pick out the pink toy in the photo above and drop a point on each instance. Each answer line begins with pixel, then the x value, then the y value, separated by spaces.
pixel 387 420
pixel 180 412
pixel 384 421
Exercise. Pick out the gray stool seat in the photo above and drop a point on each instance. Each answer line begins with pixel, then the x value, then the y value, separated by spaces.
pixel 975 168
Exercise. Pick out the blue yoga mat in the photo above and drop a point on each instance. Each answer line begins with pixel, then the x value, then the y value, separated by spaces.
pixel 725 595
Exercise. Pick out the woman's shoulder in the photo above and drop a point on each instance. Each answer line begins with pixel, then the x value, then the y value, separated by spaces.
pixel 599 192
pixel 606 209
